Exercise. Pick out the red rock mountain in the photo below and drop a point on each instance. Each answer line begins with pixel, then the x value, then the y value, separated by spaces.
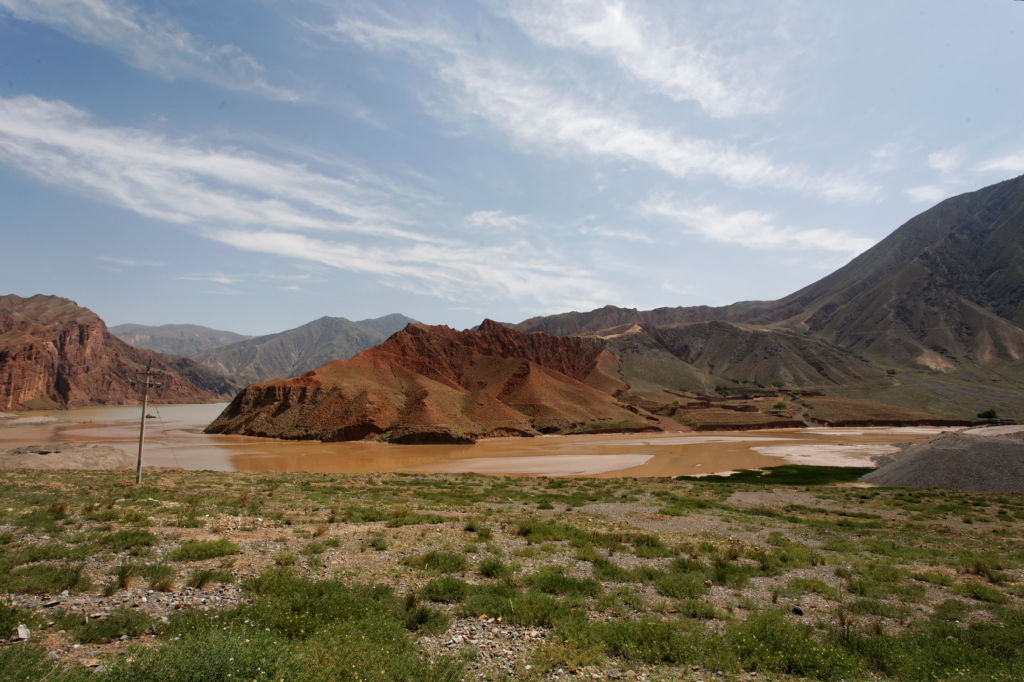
pixel 55 354
pixel 433 384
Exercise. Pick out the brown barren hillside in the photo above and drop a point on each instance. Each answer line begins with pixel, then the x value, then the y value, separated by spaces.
pixel 434 384
pixel 55 353
pixel 938 305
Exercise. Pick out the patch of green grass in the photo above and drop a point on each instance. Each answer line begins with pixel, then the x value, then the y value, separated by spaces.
pixel 609 571
pixel 123 575
pixel 680 585
pixel 873 607
pixel 439 561
pixel 200 550
pixel 695 608
pixel 650 546
pixel 447 589
pixel 297 629
pixel 769 642
pixel 160 576
pixel 112 626
pixel 789 474
pixel 46 578
pixel 492 567
pixel 512 605
pixel 130 539
pixel 798 586
pixel 981 592
pixel 204 576
pixel 562 654
pixel 481 529
pixel 553 580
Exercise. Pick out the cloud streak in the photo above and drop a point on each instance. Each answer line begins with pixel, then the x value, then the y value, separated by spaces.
pixel 673 64
pixel 752 229
pixel 260 205
pixel 537 114
pixel 150 42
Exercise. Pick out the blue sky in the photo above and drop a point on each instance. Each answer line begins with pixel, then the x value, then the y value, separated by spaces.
pixel 254 165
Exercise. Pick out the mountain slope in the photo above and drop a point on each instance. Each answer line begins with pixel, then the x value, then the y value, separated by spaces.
pixel 54 353
pixel 292 352
pixel 945 290
pixel 434 384
pixel 175 339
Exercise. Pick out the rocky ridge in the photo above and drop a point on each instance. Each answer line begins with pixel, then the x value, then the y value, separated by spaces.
pixel 57 354
pixel 434 384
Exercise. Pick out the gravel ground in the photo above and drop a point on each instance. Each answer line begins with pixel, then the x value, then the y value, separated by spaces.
pixel 960 460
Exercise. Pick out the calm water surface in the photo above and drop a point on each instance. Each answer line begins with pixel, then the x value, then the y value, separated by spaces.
pixel 174 438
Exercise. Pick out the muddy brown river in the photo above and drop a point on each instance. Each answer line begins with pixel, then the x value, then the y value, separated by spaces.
pixel 174 438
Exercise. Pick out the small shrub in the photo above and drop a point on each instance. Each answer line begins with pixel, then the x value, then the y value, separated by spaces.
pixel 447 589
pixel 563 654
pixel 203 577
pixel 130 539
pixel 286 559
pixel 160 576
pixel 680 586
pixel 475 526
pixel 695 608
pixel 493 567
pixel 553 580
pixel 107 629
pixel 438 561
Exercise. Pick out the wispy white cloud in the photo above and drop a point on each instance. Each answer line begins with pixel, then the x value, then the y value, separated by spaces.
pixel 452 272
pixel 261 205
pixel 752 229
pixel 497 220
pixel 215 277
pixel 609 233
pixel 129 262
pixel 668 58
pixel 885 158
pixel 150 42
pixel 175 182
pixel 945 160
pixel 930 194
pixel 1010 163
pixel 534 112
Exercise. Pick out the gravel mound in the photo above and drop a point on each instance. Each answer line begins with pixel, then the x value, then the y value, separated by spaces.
pixel 967 460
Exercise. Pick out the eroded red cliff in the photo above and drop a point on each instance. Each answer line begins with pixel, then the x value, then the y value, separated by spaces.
pixel 434 384
pixel 55 354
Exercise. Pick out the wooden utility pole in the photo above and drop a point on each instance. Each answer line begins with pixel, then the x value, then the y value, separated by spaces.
pixel 146 383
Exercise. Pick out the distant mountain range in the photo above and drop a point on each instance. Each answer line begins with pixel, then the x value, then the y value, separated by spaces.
pixel 175 339
pixel 290 353
pixel 926 325
pixel 245 359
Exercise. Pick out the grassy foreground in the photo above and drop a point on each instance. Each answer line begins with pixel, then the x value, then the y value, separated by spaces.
pixel 227 576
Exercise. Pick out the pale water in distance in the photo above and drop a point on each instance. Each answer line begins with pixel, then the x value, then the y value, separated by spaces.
pixel 174 438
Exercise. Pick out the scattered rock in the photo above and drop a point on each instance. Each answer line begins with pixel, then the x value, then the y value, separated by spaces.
pixel 23 632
